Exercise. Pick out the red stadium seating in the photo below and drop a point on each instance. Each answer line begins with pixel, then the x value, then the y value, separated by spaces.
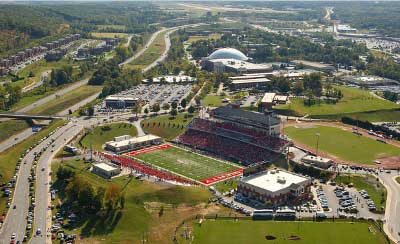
pixel 231 141
pixel 147 170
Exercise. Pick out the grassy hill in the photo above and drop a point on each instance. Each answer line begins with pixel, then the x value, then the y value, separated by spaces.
pixel 354 101
pixel 343 144
pixel 242 231
pixel 140 216
pixel 102 134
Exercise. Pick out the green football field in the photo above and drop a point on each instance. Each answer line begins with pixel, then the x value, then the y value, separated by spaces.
pixel 255 232
pixel 186 163
pixel 343 144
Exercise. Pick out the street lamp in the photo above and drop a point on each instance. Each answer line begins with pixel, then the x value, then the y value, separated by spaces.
pixel 317 135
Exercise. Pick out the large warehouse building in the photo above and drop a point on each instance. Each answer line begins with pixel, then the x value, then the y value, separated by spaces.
pixel 232 60
pixel 127 143
pixel 275 187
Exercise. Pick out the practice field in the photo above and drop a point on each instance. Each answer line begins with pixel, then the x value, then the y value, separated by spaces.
pixel 343 144
pixel 256 232
pixel 354 101
pixel 186 163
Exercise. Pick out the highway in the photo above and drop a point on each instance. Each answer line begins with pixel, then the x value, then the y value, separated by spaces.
pixel 16 218
pixel 42 213
pixel 141 51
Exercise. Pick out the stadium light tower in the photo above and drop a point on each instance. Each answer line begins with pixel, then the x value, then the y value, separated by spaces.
pixel 317 135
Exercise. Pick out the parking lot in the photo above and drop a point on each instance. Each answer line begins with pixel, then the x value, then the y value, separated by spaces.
pixel 156 93
pixel 331 200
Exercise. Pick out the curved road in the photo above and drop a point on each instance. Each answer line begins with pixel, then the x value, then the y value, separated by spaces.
pixel 141 51
pixel 392 213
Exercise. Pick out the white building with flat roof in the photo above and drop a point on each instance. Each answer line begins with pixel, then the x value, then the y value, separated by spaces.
pixel 127 143
pixel 105 170
pixel 275 187
pixel 317 161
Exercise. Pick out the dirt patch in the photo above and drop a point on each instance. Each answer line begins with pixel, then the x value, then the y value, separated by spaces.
pixel 294 238
pixel 162 228
pixel 270 238
pixel 390 162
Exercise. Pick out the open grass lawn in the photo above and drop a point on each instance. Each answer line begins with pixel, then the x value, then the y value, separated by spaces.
pixel 354 101
pixel 141 213
pixel 9 158
pixel 255 232
pixel 102 134
pixel 213 101
pixel 153 52
pixel 375 189
pixel 226 185
pixel 343 144
pixel 214 36
pixel 37 68
pixel 186 163
pixel 108 35
pixel 166 126
pixel 11 127
pixel 216 100
pixel 67 100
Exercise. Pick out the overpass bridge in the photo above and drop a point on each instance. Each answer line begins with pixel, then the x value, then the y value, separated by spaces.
pixel 30 116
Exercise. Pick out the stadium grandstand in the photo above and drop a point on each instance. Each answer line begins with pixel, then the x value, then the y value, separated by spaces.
pixel 244 136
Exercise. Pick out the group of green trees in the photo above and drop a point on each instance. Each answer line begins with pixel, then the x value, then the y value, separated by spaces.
pixel 23 26
pixel 9 95
pixel 385 67
pixel 81 194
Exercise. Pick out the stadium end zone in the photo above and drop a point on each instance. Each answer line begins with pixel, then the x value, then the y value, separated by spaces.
pixel 206 182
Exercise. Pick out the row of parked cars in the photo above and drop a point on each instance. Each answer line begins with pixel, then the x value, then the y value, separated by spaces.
pixel 31 180
pixel 59 220
pixel 347 203
pixel 234 206
pixel 369 201
pixel 322 198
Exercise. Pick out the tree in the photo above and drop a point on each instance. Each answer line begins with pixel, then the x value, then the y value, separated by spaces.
pixel 64 173
pixel 137 108
pixel 174 105
pixel 166 106
pixel 183 103
pixel 86 195
pixel 156 107
pixel 298 88
pixel 174 112
pixel 90 110
pixel 113 193
pixel 146 110
pixel 198 100
pixel 191 110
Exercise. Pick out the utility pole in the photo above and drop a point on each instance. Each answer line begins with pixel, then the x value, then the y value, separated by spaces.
pixel 317 135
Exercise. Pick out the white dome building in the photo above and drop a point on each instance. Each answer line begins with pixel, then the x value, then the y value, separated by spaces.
pixel 228 53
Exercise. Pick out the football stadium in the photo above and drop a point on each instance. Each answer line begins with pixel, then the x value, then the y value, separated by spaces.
pixel 203 154
pixel 188 164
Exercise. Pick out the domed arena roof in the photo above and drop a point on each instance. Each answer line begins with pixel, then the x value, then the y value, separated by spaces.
pixel 228 53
